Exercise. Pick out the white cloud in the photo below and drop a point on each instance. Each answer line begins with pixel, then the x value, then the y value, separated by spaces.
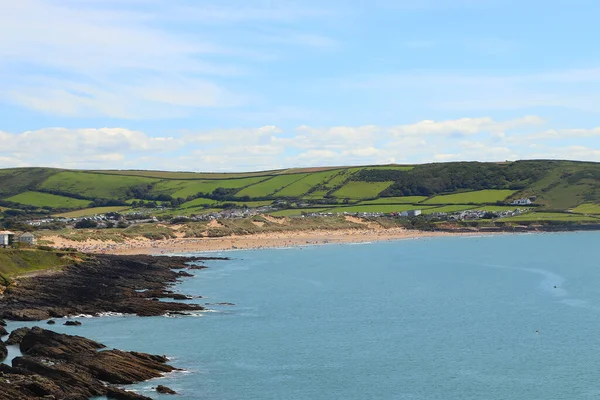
pixel 270 146
pixel 79 147
pixel 464 126
pixel 560 134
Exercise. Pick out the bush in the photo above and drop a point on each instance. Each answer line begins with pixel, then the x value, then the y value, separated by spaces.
pixel 86 223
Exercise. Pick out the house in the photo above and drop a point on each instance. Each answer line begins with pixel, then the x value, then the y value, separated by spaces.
pixel 414 213
pixel 521 202
pixel 6 238
pixel 27 238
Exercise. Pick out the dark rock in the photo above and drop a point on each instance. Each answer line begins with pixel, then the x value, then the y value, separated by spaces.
pixel 178 296
pixel 26 314
pixel 16 336
pixel 69 367
pixel 51 322
pixel 102 283
pixel 3 351
pixel 120 394
pixel 64 367
pixel 196 267
pixel 2 322
pixel 3 331
pixel 44 343
pixel 72 323
pixel 165 390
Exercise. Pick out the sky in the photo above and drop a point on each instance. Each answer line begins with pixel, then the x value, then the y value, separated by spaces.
pixel 233 85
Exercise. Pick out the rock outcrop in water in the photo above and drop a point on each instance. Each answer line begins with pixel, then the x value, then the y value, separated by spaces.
pixel 64 367
pixel 103 283
pixel 58 366
pixel 164 390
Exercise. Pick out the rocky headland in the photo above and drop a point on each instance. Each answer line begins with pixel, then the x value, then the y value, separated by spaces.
pixel 59 366
pixel 100 284
pixel 64 367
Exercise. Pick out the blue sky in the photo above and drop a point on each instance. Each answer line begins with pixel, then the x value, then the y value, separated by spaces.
pixel 235 85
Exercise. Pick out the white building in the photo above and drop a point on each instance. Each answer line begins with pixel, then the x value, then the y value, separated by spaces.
pixel 521 202
pixel 410 213
pixel 27 238
pixel 6 238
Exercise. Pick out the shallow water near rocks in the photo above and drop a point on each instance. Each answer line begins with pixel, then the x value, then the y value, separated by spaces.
pixel 456 318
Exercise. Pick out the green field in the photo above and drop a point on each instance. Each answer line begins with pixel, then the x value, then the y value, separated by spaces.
pixel 39 199
pixel 183 188
pixel 477 197
pixel 270 186
pixel 88 212
pixel 316 195
pixel 588 208
pixel 557 185
pixel 447 209
pixel 94 185
pixel 198 203
pixel 377 208
pixel 396 200
pixel 339 179
pixel 361 190
pixel 541 217
pixel 300 187
pixel 189 175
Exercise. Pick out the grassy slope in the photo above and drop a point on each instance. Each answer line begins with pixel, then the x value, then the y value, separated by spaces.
pixel 361 190
pixel 270 186
pixel 185 188
pixel 541 217
pixel 94 185
pixel 45 199
pixel 396 200
pixel 88 212
pixel 587 208
pixel 476 197
pixel 564 185
pixel 13 262
pixel 19 180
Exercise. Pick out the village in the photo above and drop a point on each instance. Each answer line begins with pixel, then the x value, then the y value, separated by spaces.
pixel 137 217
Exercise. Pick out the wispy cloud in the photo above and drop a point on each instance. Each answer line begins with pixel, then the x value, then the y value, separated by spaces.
pixel 130 59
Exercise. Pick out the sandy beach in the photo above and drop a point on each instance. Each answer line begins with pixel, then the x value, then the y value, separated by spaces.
pixel 255 241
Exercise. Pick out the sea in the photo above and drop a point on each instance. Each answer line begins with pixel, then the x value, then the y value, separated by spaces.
pixel 453 318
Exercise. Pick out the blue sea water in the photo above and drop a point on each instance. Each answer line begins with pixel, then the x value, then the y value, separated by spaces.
pixel 454 318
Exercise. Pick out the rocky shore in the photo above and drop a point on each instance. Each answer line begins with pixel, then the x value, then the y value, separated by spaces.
pixel 100 284
pixel 64 367
pixel 58 366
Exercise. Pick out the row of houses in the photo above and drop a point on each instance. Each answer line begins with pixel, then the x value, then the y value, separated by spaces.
pixel 7 238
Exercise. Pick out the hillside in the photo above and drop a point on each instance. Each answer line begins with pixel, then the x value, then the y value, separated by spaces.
pixel 556 185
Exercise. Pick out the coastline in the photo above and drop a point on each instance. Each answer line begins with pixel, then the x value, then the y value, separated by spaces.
pixel 60 366
pixel 245 242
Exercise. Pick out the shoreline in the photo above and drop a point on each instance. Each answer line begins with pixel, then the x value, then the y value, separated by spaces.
pixel 58 365
pixel 248 242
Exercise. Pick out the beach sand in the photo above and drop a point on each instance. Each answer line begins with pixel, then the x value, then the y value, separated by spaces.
pixel 255 241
